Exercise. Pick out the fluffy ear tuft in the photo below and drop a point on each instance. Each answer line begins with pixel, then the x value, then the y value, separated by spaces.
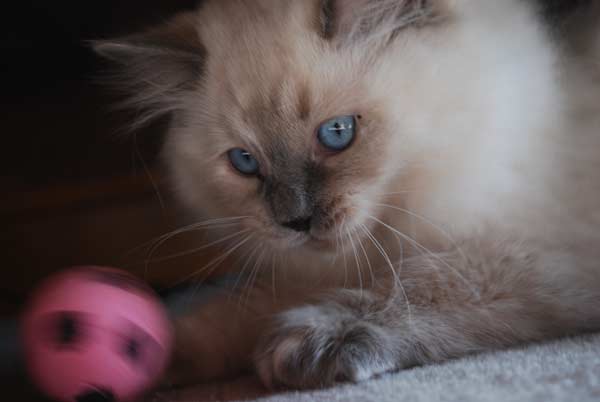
pixel 377 20
pixel 157 68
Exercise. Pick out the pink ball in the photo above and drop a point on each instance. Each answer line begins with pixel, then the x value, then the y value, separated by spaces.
pixel 95 334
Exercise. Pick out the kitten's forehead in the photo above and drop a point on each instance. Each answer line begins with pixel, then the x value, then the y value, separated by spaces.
pixel 259 56
pixel 277 78
pixel 246 25
pixel 280 109
pixel 279 117
pixel 284 138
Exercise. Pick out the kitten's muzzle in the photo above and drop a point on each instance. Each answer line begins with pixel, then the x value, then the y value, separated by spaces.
pixel 293 206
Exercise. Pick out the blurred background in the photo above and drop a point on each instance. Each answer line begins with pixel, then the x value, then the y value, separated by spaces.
pixel 76 187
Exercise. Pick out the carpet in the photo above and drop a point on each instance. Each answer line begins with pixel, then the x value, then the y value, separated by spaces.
pixel 561 371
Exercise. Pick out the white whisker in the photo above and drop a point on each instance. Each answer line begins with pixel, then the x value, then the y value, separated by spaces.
pixel 440 229
pixel 208 224
pixel 337 244
pixel 395 193
pixel 273 270
pixel 357 261
pixel 211 266
pixel 419 246
pixel 364 252
pixel 198 249
pixel 241 272
pixel 147 172
pixel 341 229
pixel 253 274
pixel 397 281
pixel 216 261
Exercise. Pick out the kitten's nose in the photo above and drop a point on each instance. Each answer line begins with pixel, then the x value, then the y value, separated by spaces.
pixel 299 225
pixel 96 396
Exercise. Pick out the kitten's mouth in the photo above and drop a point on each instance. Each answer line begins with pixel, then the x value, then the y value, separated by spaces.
pixel 322 238
pixel 320 243
pixel 308 240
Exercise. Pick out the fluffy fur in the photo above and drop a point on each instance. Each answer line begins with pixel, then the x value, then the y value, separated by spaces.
pixel 465 217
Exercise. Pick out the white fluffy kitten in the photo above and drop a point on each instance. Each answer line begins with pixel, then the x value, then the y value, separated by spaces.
pixel 428 169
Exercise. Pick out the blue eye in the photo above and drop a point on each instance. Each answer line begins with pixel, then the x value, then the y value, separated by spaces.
pixel 337 134
pixel 243 161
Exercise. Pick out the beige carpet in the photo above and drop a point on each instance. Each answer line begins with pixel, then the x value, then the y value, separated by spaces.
pixel 561 371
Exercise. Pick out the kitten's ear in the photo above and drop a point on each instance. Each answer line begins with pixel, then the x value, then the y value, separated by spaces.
pixel 157 68
pixel 377 20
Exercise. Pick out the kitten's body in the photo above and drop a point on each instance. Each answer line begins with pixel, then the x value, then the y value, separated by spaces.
pixel 465 217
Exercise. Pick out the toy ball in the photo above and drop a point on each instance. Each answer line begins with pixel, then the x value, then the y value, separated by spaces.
pixel 95 335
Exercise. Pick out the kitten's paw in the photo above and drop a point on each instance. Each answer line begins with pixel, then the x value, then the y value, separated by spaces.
pixel 317 346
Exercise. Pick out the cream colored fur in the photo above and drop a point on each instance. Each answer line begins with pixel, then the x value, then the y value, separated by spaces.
pixel 475 170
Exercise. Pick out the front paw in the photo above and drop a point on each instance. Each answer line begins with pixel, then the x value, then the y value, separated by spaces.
pixel 318 346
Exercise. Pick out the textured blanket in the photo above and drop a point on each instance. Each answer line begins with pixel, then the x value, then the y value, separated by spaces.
pixel 565 371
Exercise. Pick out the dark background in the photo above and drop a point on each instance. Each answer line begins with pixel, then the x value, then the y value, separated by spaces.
pixel 66 156
pixel 46 68
pixel 74 186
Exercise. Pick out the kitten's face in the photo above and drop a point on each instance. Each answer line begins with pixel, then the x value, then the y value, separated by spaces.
pixel 287 132
pixel 301 118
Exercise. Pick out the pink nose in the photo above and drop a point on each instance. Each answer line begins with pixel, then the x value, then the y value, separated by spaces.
pixel 299 225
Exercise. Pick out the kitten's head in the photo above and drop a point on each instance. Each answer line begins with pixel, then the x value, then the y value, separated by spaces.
pixel 304 116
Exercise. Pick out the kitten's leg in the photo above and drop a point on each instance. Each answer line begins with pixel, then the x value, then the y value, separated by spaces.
pixel 485 296
pixel 215 339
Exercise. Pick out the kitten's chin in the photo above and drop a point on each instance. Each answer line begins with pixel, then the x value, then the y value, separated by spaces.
pixel 321 245
pixel 306 242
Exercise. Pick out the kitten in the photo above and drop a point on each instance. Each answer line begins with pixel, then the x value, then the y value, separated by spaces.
pixel 416 180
